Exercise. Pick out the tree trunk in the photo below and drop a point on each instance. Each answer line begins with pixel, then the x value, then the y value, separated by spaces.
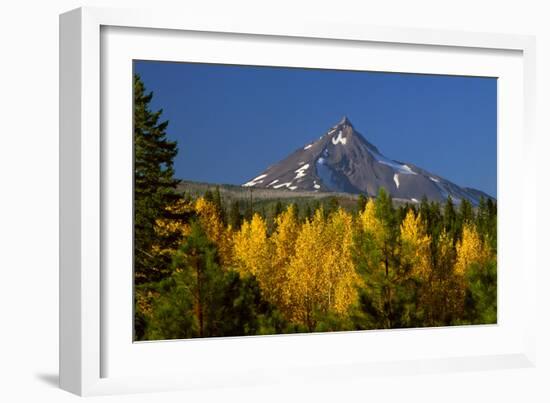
pixel 199 299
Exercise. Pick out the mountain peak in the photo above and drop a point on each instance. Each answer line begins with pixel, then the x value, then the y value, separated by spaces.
pixel 343 161
pixel 345 121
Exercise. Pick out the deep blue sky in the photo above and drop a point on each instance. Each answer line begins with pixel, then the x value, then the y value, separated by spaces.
pixel 231 122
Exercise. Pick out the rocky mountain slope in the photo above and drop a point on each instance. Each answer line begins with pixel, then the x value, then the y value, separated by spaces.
pixel 343 161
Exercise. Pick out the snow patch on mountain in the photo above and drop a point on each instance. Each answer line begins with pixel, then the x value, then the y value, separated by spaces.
pixel 286 184
pixel 301 172
pixel 308 146
pixel 400 168
pixel 273 182
pixel 339 139
pixel 396 180
pixel 255 181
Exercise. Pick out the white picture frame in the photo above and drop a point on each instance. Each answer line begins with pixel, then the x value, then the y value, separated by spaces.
pixel 92 346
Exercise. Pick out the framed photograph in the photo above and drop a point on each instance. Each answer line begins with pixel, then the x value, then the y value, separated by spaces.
pixel 247 202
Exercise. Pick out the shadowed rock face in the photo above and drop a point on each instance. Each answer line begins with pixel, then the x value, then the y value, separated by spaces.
pixel 342 160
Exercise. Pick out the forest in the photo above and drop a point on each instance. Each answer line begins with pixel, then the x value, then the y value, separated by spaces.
pixel 208 267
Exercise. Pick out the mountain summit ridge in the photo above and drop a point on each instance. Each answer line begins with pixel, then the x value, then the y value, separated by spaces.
pixel 343 160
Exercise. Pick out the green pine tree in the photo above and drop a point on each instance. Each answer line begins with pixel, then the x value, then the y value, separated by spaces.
pixel 235 218
pixel 481 294
pixel 208 195
pixel 450 220
pixel 154 183
pixel 492 224
pixel 331 205
pixel 361 202
pixel 197 260
pixel 171 315
pixel 278 209
pixel 465 211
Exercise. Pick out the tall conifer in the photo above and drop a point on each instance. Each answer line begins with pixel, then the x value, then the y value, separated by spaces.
pixel 154 183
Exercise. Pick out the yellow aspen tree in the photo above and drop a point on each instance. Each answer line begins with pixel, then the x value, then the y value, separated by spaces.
pixel 172 228
pixel 305 283
pixel 224 243
pixel 415 245
pixel 321 275
pixel 370 222
pixel 214 228
pixel 446 284
pixel 449 287
pixel 415 258
pixel 445 261
pixel 445 250
pixel 338 268
pixel 251 248
pixel 470 249
pixel 283 243
pixel 210 220
pixel 373 228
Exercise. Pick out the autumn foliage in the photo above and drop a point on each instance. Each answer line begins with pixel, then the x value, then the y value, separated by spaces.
pixel 376 267
pixel 208 267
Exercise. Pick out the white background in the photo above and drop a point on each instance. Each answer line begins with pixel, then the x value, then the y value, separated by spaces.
pixel 29 201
